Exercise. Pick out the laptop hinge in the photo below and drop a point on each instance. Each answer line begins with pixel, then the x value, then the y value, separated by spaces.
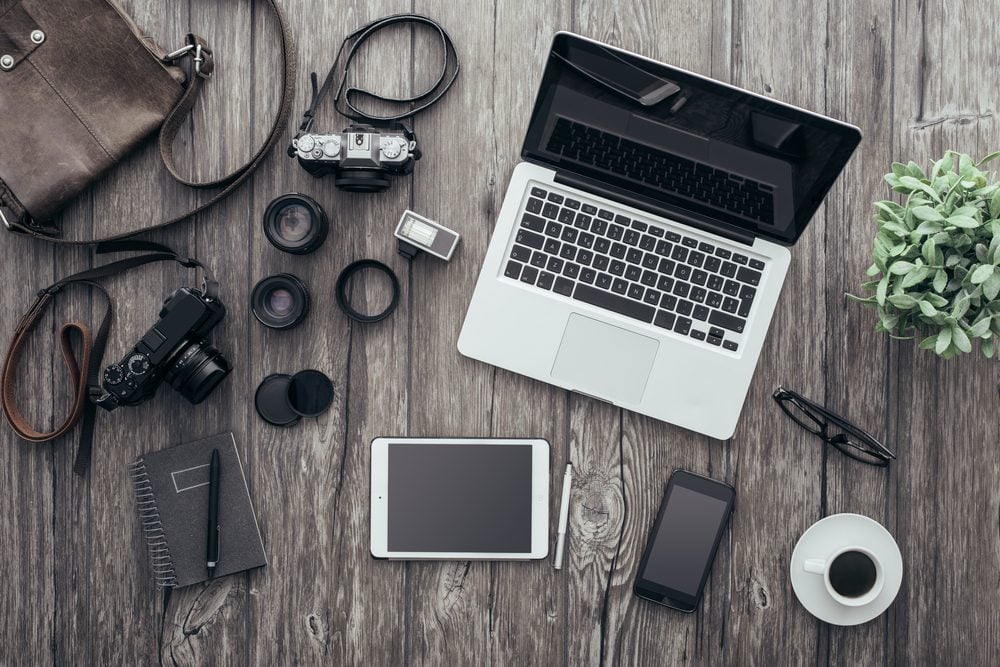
pixel 621 195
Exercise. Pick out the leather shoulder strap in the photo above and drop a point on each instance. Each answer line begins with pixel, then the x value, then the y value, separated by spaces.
pixel 175 120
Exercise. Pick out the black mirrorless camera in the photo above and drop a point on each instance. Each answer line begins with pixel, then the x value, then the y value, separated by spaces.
pixel 362 158
pixel 175 350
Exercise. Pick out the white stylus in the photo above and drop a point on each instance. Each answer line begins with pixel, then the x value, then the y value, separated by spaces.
pixel 563 516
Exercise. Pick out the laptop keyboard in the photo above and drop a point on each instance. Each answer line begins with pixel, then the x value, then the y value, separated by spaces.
pixel 678 176
pixel 635 268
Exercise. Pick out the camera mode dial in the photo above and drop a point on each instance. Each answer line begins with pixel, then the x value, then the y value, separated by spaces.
pixel 305 143
pixel 332 146
pixel 113 375
pixel 138 364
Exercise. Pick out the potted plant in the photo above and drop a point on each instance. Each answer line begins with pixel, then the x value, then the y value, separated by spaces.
pixel 936 270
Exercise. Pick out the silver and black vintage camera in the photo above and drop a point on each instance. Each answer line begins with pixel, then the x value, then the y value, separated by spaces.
pixel 361 158
pixel 174 350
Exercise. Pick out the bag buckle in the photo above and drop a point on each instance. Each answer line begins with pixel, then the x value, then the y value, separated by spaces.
pixel 200 57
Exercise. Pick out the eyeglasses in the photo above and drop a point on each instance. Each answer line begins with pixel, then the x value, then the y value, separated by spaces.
pixel 833 429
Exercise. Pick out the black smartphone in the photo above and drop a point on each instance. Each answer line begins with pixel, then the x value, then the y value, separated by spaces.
pixel 682 545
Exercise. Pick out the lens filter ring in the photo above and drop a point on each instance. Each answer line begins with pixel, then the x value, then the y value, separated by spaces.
pixel 344 302
pixel 295 224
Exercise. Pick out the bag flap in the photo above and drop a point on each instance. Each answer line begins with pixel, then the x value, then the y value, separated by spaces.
pixel 19 35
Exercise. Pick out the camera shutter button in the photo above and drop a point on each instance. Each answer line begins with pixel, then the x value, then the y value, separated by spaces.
pixel 332 147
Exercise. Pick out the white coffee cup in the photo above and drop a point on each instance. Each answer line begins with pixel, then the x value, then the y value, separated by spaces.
pixel 821 566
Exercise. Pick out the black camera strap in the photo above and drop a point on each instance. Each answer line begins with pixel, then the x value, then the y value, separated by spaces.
pixel 343 101
pixel 84 375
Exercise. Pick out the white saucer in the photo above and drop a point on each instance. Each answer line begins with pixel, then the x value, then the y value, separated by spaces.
pixel 826 536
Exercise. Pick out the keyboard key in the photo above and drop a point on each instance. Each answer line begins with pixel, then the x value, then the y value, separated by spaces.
pixel 634 256
pixel 723 253
pixel 744 309
pixel 650 261
pixel 553 229
pixel 555 197
pixel 572 203
pixel 584 257
pixel 639 225
pixel 664 248
pixel 701 313
pixel 571 270
pixel 605 214
pixel 545 280
pixel 730 345
pixel 747 292
pixel 563 286
pixel 648 278
pixel 730 305
pixel 538 259
pixel 568 252
pixel 566 216
pixel 698 277
pixel 714 300
pixel 732 288
pixel 716 283
pixel 667 266
pixel 622 220
pixel 534 205
pixel 689 242
pixel 673 236
pixel 538 192
pixel 680 253
pixel 714 341
pixel 603 280
pixel 656 231
pixel 550 211
pixel 617 304
pixel 728 269
pixel 749 276
pixel 683 271
pixel 520 253
pixel 582 221
pixel 599 226
pixel 684 307
pixel 530 239
pixel 601 262
pixel 589 209
pixel 513 270
pixel 620 286
pixel 647 242
pixel 555 265
pixel 569 235
pixel 588 275
pixel 712 264
pixel 668 302
pixel 725 321
pixel 533 222
pixel 632 237
pixel 717 332
pixel 585 240
pixel 696 258
pixel 635 291
pixel 602 245
pixel 665 283
pixel 698 294
pixel 697 335
pixel 618 250
pixel 683 326
pixel 615 232
pixel 617 267
pixel 756 264
pixel 740 259
pixel 706 247
pixel 665 320
pixel 633 272
pixel 528 275
pixel 681 289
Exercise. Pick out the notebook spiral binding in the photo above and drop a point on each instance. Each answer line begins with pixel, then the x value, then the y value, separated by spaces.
pixel 149 518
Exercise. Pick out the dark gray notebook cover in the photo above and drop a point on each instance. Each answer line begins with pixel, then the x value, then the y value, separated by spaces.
pixel 171 488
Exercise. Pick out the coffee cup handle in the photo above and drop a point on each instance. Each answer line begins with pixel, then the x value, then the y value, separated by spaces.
pixel 814 565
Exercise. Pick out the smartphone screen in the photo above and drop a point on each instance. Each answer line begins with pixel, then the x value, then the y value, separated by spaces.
pixel 684 539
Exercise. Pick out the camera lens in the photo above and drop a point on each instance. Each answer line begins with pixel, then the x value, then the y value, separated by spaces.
pixel 362 180
pixel 280 301
pixel 197 371
pixel 295 224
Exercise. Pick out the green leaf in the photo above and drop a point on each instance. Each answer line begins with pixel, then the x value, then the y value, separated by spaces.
pixel 963 221
pixel 992 156
pixel 873 270
pixel 902 301
pixel 913 184
pixel 927 309
pixel 880 291
pixel 981 329
pixel 928 227
pixel 927 213
pixel 961 340
pixel 940 280
pixel 916 276
pixel 995 205
pixel 901 267
pixel 943 340
pixel 981 273
pixel 928 251
pixel 968 211
pixel 961 307
pixel 928 343
pixel 987 347
pixel 991 288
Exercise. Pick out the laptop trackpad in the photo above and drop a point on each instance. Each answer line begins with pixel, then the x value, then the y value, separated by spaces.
pixel 604 360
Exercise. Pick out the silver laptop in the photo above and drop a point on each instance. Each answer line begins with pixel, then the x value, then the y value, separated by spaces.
pixel 644 239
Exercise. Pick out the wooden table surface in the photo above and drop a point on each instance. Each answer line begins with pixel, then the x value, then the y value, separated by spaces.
pixel 918 78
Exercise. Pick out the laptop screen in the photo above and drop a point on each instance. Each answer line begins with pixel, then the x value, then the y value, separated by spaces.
pixel 679 142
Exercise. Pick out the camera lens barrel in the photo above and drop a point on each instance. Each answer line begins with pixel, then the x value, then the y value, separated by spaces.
pixel 295 224
pixel 280 301
pixel 197 371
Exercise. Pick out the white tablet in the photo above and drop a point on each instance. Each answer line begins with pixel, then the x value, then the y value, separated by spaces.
pixel 459 498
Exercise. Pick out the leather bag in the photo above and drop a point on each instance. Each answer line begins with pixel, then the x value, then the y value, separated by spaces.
pixel 81 87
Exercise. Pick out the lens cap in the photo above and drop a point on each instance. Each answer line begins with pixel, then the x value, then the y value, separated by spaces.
pixel 310 393
pixel 295 224
pixel 272 403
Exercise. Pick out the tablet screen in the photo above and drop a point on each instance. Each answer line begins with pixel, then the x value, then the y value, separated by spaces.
pixel 459 498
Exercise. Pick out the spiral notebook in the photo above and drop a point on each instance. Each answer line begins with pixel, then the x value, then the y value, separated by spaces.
pixel 171 494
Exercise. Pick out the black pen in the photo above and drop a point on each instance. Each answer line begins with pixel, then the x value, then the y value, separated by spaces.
pixel 213 513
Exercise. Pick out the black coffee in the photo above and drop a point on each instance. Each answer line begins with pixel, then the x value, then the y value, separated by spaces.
pixel 852 574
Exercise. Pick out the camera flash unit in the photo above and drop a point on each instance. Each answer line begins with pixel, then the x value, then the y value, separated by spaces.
pixel 416 233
